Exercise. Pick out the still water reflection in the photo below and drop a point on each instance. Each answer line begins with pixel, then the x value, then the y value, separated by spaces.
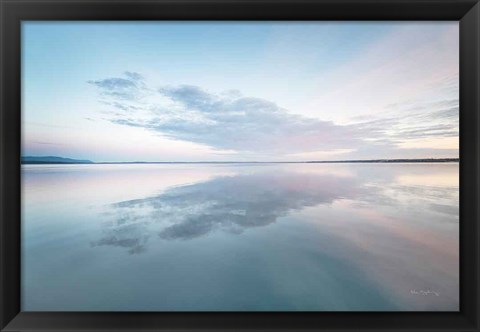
pixel 329 237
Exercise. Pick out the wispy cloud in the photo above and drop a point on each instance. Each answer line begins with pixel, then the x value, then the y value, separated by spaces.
pixel 129 87
pixel 230 121
pixel 412 121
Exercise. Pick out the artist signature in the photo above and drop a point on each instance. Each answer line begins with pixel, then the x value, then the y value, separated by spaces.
pixel 424 292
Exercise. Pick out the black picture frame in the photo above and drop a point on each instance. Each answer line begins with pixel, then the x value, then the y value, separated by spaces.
pixel 467 12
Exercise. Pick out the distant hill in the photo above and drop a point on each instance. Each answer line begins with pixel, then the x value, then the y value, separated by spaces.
pixel 53 160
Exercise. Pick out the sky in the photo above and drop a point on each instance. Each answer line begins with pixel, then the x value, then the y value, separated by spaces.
pixel 240 91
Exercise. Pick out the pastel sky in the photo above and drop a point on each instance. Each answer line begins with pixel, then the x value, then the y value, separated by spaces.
pixel 240 91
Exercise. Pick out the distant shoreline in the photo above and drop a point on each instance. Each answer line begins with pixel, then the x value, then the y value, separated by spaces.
pixel 366 161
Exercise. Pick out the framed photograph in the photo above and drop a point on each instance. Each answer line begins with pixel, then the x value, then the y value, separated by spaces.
pixel 239 165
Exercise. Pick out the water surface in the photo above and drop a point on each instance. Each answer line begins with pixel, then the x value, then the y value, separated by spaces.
pixel 254 237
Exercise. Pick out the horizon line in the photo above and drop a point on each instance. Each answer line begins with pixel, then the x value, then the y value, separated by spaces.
pixel 391 160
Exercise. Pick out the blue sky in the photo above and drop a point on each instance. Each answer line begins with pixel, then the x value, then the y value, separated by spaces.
pixel 187 91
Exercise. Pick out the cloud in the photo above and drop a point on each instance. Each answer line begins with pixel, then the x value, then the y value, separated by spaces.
pixel 113 84
pixel 224 121
pixel 133 76
pixel 230 121
pixel 190 96
pixel 129 87
pixel 413 120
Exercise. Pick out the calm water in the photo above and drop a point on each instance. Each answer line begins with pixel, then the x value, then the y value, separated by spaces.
pixel 322 237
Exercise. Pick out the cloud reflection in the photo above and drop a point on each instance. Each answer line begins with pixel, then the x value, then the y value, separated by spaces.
pixel 234 204
pixel 230 204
